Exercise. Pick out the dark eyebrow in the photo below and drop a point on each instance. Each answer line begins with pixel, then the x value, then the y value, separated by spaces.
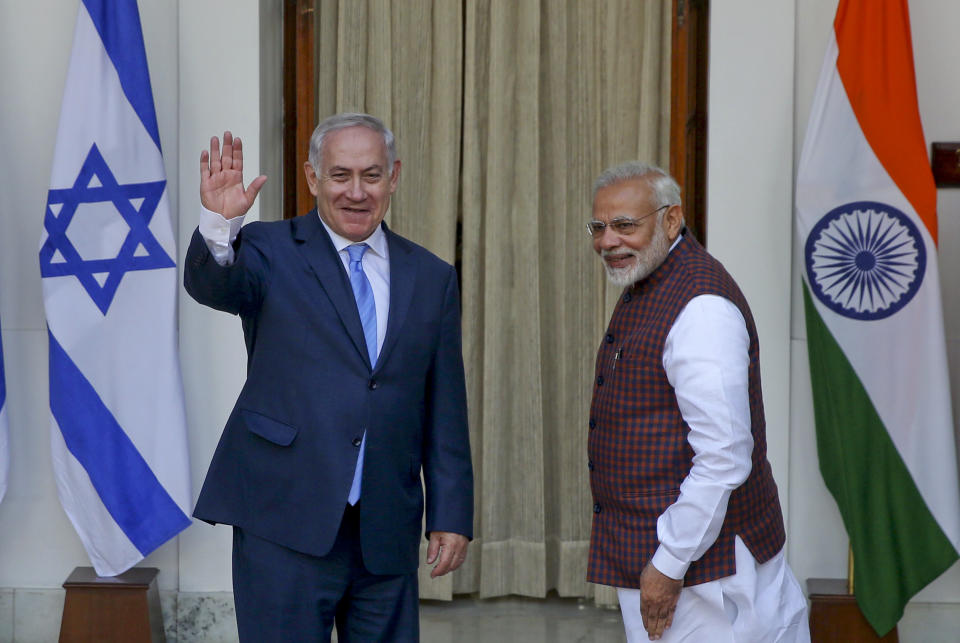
pixel 340 168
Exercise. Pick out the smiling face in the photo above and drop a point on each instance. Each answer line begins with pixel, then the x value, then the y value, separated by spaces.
pixel 630 258
pixel 354 185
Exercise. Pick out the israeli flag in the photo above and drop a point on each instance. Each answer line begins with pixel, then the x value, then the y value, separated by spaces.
pixel 107 258
pixel 4 430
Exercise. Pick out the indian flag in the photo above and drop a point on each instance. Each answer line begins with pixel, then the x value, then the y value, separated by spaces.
pixel 866 217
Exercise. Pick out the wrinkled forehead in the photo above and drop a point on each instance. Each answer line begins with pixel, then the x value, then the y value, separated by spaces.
pixel 354 148
pixel 629 198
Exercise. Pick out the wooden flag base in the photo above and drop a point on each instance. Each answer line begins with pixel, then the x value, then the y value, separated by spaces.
pixel 124 608
pixel 835 616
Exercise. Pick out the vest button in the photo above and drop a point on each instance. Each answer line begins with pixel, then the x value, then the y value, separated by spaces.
pixel 372 385
pixel 596 507
pixel 627 297
pixel 357 442
pixel 590 464
pixel 599 380
pixel 593 423
pixel 609 338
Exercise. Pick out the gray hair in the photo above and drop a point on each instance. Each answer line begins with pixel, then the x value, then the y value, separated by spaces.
pixel 665 189
pixel 343 121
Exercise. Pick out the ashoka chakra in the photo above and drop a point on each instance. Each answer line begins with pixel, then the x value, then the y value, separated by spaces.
pixel 865 260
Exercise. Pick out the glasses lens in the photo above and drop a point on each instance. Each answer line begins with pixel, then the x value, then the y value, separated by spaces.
pixel 624 227
pixel 595 228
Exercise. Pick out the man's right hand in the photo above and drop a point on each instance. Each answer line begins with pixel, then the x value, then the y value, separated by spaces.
pixel 221 179
pixel 658 600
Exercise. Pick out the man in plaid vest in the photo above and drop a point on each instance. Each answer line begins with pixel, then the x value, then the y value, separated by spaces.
pixel 687 523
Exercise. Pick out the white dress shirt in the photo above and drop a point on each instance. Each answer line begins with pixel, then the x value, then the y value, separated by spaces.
pixel 220 233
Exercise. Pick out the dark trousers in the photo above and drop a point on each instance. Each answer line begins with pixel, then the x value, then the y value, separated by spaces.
pixel 288 596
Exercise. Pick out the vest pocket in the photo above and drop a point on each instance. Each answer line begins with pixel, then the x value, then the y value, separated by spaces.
pixel 647 505
pixel 651 493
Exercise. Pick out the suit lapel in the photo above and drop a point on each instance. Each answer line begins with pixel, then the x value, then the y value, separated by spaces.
pixel 403 278
pixel 317 249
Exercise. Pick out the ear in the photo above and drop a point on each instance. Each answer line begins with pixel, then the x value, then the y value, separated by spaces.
pixel 395 176
pixel 313 181
pixel 673 222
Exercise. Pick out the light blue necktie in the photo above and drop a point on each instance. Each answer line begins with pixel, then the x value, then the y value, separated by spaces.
pixel 367 308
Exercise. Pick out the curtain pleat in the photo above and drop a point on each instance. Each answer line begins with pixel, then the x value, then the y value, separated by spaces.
pixel 505 111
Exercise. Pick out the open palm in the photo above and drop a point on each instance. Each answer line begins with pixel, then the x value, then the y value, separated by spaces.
pixel 221 179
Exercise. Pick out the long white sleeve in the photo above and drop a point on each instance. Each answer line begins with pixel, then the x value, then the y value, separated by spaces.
pixel 706 358
pixel 219 233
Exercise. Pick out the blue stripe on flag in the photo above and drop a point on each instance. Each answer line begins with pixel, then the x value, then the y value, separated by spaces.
pixel 118 23
pixel 128 488
pixel 3 381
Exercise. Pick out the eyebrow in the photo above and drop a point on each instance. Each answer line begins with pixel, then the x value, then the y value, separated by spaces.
pixel 340 168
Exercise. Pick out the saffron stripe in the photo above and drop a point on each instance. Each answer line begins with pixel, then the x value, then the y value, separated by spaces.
pixel 118 23
pixel 875 63
pixel 124 481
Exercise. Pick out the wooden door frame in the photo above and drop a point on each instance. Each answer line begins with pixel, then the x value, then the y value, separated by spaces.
pixel 299 103
pixel 688 108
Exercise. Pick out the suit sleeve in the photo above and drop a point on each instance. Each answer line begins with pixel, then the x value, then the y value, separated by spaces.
pixel 447 468
pixel 237 288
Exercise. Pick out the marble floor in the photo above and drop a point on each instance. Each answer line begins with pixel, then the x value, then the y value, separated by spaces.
pixel 513 620
pixel 553 620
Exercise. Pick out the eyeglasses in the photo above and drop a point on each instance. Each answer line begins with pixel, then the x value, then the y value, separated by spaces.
pixel 624 226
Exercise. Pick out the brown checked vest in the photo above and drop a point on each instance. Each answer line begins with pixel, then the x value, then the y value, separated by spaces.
pixel 638 446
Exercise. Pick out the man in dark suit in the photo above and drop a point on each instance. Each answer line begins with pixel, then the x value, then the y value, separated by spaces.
pixel 354 384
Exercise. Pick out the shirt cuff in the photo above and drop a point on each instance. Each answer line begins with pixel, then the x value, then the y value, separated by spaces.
pixel 219 234
pixel 668 564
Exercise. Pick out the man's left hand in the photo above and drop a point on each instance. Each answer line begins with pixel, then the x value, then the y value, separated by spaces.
pixel 658 600
pixel 448 550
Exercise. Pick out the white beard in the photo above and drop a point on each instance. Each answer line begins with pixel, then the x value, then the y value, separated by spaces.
pixel 647 260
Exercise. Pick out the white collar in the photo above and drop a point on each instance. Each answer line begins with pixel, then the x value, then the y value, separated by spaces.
pixel 377 240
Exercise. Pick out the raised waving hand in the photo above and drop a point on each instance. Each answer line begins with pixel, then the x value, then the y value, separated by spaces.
pixel 221 179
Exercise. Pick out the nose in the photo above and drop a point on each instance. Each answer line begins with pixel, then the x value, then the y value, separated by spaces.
pixel 355 192
pixel 607 240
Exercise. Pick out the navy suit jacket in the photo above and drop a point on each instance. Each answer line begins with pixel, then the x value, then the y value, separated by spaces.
pixel 287 456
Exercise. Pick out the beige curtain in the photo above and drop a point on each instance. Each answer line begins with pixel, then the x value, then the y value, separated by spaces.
pixel 505 111
pixel 403 62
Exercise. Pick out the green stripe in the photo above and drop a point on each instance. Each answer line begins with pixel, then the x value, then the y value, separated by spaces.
pixel 898 547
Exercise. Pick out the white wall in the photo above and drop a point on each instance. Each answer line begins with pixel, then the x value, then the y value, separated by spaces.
pixel 219 84
pixel 205 79
pixel 749 179
pixel 29 109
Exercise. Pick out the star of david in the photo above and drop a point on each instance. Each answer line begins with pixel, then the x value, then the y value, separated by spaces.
pixel 140 250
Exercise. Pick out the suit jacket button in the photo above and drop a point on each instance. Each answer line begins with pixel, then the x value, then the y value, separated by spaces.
pixel 357 442
pixel 596 507
pixel 372 385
